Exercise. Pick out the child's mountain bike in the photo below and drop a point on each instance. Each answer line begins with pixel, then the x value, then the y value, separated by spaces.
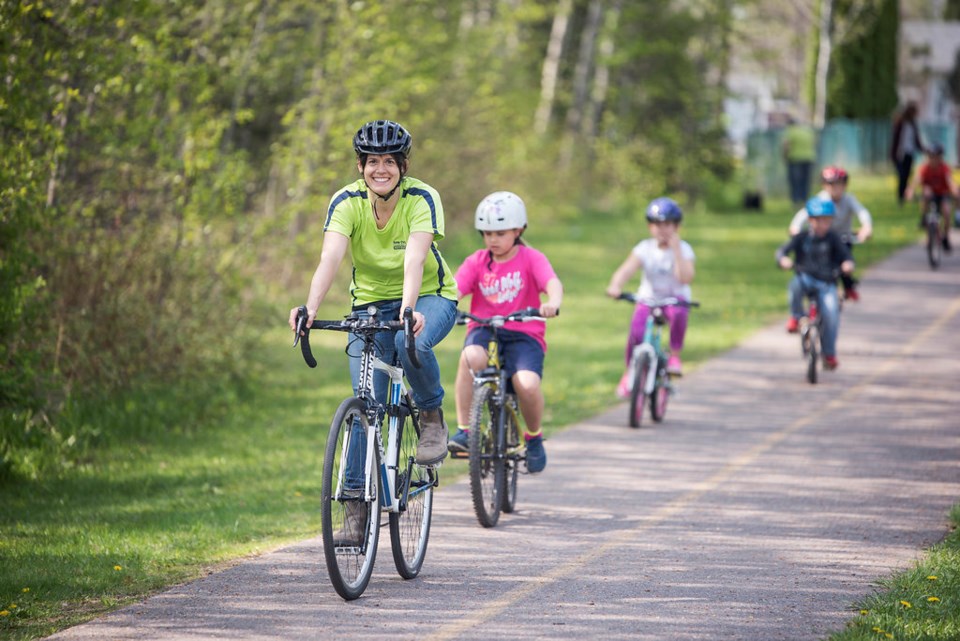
pixel 649 382
pixel 369 466
pixel 811 328
pixel 496 445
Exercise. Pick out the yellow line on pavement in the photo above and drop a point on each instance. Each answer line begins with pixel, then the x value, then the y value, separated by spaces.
pixel 489 611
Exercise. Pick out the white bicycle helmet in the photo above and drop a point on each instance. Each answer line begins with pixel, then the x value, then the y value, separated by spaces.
pixel 499 211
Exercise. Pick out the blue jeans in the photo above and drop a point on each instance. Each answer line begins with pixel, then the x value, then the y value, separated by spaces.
pixel 439 315
pixel 828 306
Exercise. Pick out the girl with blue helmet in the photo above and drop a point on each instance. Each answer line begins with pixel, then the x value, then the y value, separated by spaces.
pixel 667 264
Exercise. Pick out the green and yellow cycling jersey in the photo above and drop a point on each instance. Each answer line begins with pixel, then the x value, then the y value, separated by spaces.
pixel 378 254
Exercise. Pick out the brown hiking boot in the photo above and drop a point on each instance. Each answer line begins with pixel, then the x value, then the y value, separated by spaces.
pixel 354 525
pixel 432 448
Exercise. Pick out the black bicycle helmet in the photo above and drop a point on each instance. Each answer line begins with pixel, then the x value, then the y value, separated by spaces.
pixel 380 137
pixel 664 210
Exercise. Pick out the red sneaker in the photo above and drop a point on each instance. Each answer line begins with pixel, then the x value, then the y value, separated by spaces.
pixel 851 294
pixel 830 362
pixel 793 325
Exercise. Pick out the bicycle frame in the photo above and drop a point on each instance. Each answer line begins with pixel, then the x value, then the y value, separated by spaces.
pixel 396 393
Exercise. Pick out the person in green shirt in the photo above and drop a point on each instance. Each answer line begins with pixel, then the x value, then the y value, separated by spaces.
pixel 799 152
pixel 391 222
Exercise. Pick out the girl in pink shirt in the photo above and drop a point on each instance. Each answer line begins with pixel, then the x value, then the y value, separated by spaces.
pixel 504 277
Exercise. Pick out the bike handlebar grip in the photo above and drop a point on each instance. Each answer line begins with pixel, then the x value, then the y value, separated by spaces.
pixel 305 339
pixel 409 340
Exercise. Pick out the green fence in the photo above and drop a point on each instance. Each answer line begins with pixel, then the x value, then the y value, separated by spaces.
pixel 857 145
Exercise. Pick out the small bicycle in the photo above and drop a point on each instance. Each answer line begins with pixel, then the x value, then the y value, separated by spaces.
pixel 648 363
pixel 496 446
pixel 360 478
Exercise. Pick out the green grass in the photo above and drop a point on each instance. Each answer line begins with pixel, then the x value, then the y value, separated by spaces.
pixel 920 604
pixel 170 496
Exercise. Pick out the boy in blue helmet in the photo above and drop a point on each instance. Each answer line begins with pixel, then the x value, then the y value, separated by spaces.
pixel 821 256
pixel 667 264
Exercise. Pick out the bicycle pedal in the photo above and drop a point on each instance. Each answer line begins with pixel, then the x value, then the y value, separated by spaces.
pixel 460 455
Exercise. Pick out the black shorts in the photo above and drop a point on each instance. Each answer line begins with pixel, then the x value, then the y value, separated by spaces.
pixel 518 351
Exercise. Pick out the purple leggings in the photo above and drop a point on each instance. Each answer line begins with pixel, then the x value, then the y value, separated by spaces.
pixel 676 317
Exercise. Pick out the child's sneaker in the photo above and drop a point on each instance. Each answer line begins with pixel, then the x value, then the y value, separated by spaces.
pixel 793 325
pixel 851 294
pixel 536 455
pixel 674 366
pixel 623 387
pixel 459 442
pixel 830 362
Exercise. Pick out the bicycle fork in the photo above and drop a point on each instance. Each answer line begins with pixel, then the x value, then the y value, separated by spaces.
pixel 638 353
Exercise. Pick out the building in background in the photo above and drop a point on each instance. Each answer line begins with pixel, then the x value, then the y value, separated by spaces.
pixel 928 55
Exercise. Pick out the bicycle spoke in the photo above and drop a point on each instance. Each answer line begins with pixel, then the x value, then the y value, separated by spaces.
pixel 410 528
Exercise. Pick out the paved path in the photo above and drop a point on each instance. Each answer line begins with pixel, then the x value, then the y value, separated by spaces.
pixel 761 509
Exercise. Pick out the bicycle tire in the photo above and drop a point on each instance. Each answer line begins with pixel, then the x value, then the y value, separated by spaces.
pixel 511 464
pixel 934 248
pixel 486 464
pixel 410 528
pixel 813 353
pixel 660 396
pixel 349 565
pixel 638 397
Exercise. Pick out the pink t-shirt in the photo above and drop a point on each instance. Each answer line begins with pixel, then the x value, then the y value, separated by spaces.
pixel 501 288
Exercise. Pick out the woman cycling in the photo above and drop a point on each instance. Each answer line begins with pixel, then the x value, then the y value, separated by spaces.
pixel 390 222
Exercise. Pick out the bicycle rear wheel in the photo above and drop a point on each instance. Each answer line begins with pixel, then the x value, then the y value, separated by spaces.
pixel 934 248
pixel 350 522
pixel 660 396
pixel 812 338
pixel 638 395
pixel 410 528
pixel 486 464
pixel 511 464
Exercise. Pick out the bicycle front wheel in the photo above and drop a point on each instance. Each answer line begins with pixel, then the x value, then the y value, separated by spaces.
pixel 410 528
pixel 638 394
pixel 934 246
pixel 813 352
pixel 661 394
pixel 486 463
pixel 350 517
pixel 511 464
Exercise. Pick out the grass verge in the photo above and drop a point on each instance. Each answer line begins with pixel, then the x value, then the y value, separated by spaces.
pixel 174 493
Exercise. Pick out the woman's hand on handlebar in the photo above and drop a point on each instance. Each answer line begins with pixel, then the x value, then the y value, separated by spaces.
pixel 419 323
pixel 311 314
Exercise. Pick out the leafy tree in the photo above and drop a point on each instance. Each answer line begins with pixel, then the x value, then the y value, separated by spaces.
pixel 862 81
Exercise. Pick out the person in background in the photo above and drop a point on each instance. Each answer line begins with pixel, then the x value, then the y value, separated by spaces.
pixel 834 180
pixel 799 148
pixel 934 181
pixel 904 145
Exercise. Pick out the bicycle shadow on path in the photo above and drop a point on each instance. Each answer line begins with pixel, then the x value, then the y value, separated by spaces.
pixel 761 508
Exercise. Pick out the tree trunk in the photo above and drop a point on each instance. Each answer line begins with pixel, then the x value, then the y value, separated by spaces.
pixel 581 78
pixel 823 64
pixel 601 74
pixel 551 66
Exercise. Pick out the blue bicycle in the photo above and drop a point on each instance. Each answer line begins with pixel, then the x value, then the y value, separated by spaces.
pixel 648 363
